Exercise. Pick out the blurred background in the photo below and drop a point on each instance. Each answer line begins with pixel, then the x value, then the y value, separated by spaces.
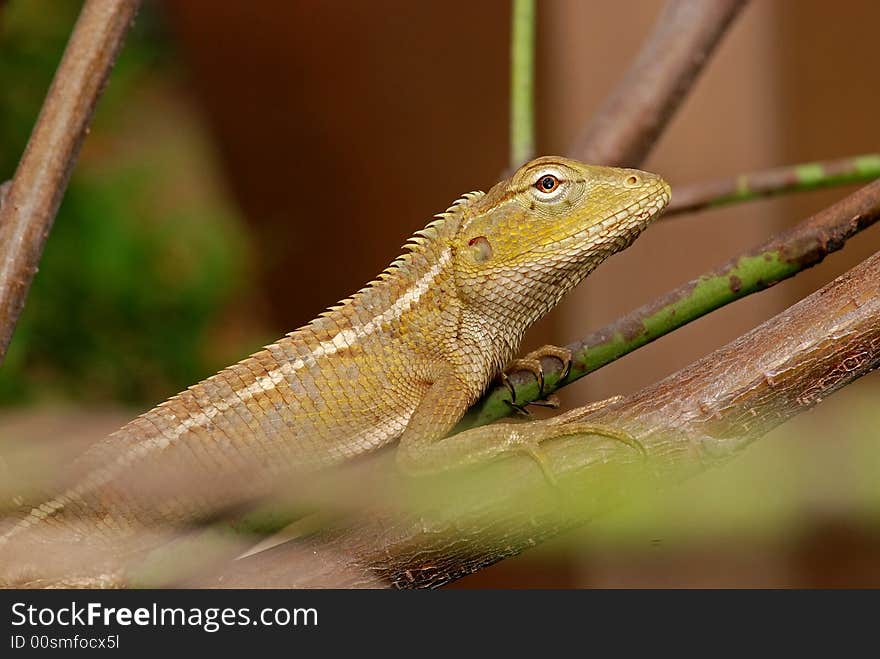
pixel 252 163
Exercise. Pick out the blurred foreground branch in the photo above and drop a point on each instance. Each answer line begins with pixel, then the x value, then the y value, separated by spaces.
pixel 44 170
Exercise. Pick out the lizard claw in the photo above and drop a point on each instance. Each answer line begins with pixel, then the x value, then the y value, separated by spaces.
pixel 550 401
pixel 562 354
pixel 520 409
pixel 505 380
pixel 566 369
pixel 530 365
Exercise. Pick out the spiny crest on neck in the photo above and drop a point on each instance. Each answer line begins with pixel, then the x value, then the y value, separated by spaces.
pixel 417 252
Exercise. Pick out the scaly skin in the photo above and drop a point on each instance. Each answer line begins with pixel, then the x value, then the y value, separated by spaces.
pixel 403 359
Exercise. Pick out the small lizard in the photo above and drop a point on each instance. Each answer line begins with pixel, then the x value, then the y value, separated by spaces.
pixel 402 359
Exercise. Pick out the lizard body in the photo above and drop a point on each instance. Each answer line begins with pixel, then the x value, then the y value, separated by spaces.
pixel 403 358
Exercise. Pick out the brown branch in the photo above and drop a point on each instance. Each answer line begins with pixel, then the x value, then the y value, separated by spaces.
pixel 696 418
pixel 631 119
pixel 41 178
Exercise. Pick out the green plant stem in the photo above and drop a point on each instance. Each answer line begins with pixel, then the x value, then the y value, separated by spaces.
pixel 522 79
pixel 772 182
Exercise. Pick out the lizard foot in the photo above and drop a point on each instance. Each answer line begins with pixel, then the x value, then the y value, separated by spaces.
pixel 608 432
pixel 532 363
pixel 527 438
pixel 569 423
pixel 522 443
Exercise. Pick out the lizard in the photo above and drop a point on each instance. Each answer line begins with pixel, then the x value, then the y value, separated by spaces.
pixel 401 359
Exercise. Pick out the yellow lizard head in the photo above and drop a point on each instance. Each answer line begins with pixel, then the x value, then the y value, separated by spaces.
pixel 536 235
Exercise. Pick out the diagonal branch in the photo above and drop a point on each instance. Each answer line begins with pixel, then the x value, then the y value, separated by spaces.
pixel 696 418
pixel 772 182
pixel 631 119
pixel 39 183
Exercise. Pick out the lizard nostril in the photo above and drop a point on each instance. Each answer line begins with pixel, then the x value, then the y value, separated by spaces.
pixel 632 180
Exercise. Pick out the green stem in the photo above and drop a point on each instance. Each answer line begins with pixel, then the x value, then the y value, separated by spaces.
pixel 522 78
pixel 772 182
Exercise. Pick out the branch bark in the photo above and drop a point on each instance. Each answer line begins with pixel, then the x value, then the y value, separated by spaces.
pixel 631 119
pixel 696 418
pixel 44 170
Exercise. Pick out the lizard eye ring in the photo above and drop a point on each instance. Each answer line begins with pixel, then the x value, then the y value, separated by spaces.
pixel 547 183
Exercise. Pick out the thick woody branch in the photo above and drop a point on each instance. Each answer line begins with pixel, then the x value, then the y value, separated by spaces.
pixel 631 119
pixel 781 257
pixel 696 418
pixel 44 170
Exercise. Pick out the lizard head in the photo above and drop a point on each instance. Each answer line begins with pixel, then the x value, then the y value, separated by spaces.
pixel 536 235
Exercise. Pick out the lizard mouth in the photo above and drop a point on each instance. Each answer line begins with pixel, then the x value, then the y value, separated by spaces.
pixel 626 223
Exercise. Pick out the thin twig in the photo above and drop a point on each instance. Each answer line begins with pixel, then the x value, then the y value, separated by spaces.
pixel 772 182
pixel 781 257
pixel 41 178
pixel 632 118
pixel 522 77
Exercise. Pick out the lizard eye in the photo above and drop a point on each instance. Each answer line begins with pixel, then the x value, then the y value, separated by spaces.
pixel 547 183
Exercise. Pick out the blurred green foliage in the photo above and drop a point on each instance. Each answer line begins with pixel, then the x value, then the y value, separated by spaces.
pixel 137 267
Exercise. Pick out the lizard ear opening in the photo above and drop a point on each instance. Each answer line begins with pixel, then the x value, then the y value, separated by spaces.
pixel 481 249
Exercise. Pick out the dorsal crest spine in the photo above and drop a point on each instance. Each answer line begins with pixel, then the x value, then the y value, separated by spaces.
pixel 416 248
